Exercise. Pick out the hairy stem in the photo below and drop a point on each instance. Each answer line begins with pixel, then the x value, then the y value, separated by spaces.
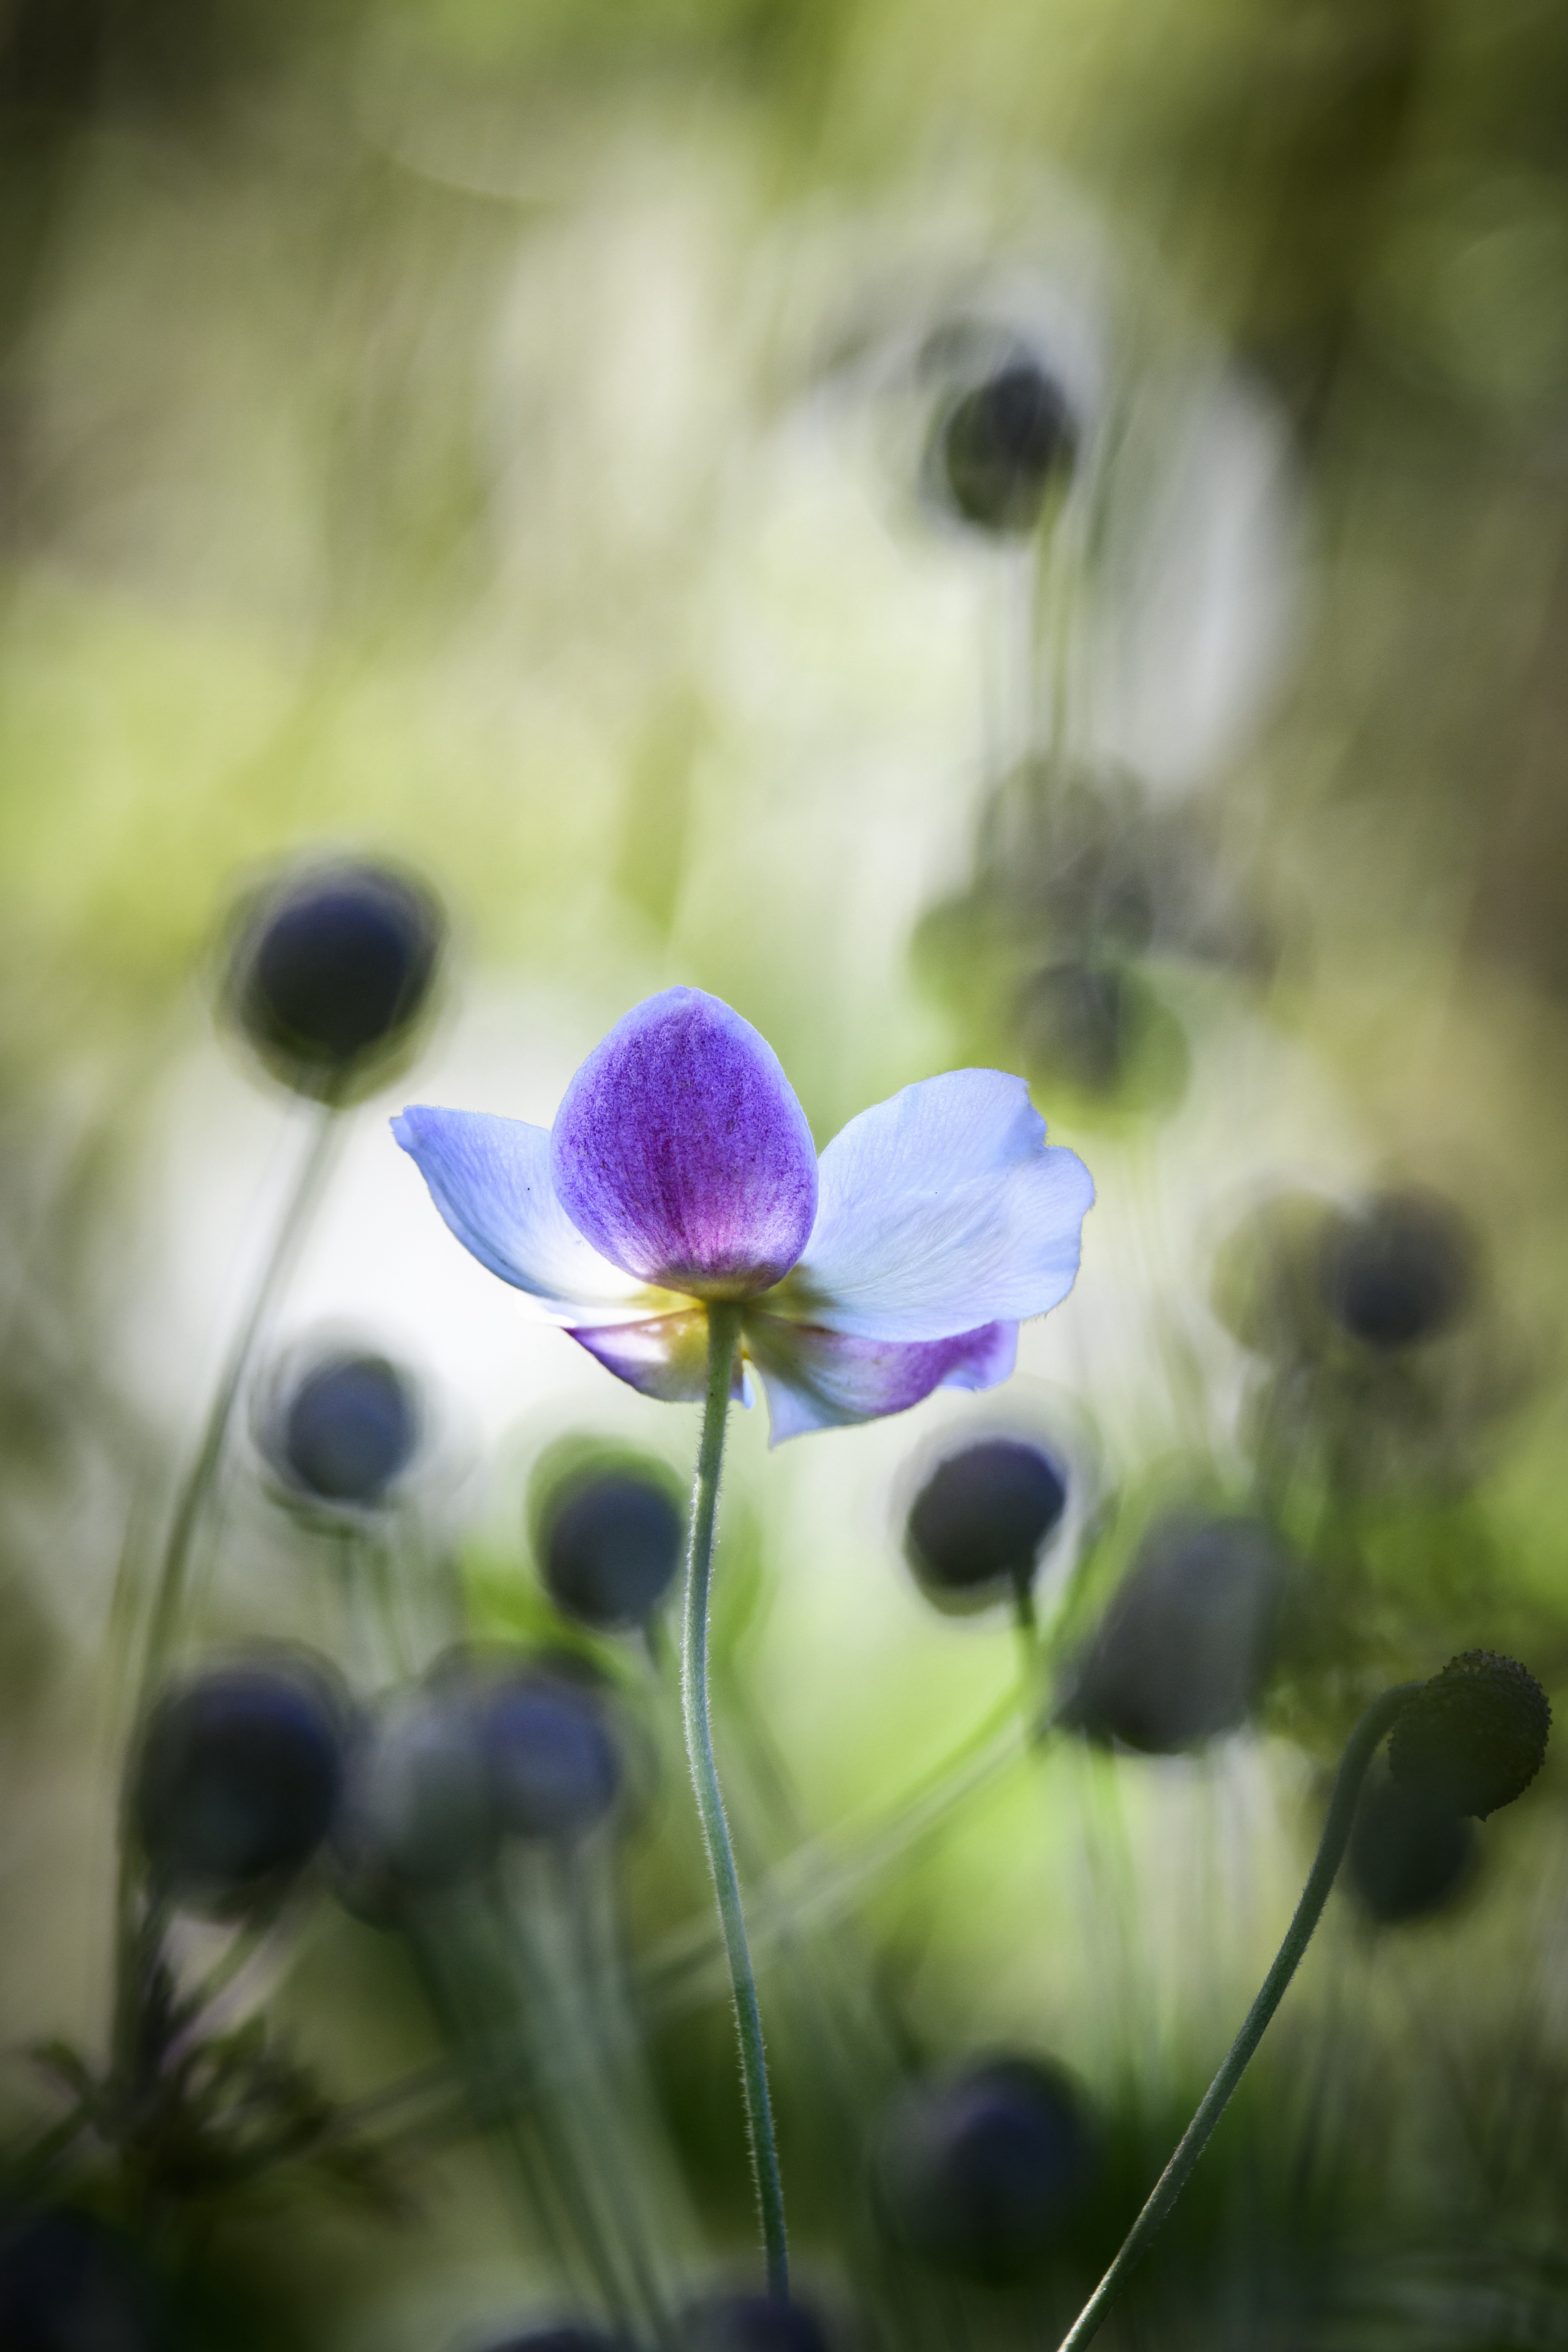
pixel 1360 1749
pixel 724 1332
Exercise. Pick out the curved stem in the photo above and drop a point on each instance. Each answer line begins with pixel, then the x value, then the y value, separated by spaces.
pixel 724 1332
pixel 1360 1749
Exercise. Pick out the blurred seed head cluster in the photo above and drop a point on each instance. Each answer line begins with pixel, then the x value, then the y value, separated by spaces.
pixel 1033 541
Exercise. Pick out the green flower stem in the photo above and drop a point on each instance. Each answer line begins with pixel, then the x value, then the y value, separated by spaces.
pixel 168 1604
pixel 133 1958
pixel 1360 1749
pixel 723 1332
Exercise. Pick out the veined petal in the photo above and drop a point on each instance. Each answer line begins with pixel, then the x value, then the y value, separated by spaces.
pixel 681 1153
pixel 938 1211
pixel 490 1180
pixel 664 1357
pixel 825 1380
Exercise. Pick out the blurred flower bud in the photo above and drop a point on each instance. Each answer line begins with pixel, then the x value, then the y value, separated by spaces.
pixel 236 1779
pixel 418 1815
pixel 1475 1737
pixel 68 2284
pixel 554 1764
pixel 1409 1856
pixel 977 1527
pixel 751 2323
pixel 1000 445
pixel 344 1430
pixel 610 1540
pixel 1398 1271
pixel 330 970
pixel 982 2171
pixel 1183 1646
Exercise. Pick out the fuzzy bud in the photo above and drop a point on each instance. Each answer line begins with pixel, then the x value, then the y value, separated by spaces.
pixel 1475 1737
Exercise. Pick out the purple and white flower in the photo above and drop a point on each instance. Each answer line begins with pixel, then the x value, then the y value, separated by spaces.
pixel 680 1170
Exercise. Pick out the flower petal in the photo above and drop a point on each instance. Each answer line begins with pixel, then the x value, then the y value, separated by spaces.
pixel 490 1180
pixel 938 1211
pixel 825 1380
pixel 665 1356
pixel 681 1153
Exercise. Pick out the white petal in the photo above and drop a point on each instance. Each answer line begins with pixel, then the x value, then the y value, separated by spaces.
pixel 490 1180
pixel 939 1210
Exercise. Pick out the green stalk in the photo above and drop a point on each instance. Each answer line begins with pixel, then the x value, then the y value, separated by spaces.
pixel 168 1604
pixel 724 1332
pixel 1360 1749
pixel 172 1594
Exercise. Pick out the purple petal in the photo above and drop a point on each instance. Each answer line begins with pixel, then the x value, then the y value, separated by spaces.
pixel 665 1356
pixel 490 1180
pixel 681 1153
pixel 825 1380
pixel 942 1210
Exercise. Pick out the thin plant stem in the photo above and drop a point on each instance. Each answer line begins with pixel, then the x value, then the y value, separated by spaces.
pixel 1360 1749
pixel 170 1598
pixel 724 1332
pixel 173 1574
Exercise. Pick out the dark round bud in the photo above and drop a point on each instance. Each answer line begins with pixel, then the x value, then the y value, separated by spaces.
pixel 610 1543
pixel 1184 1647
pixel 751 2323
pixel 236 1778
pixel 1000 445
pixel 554 1764
pixel 349 1429
pixel 1399 1271
pixel 1475 1737
pixel 983 2172
pixel 330 972
pixel 1408 1855
pixel 978 1525
pixel 418 1814
pixel 68 2284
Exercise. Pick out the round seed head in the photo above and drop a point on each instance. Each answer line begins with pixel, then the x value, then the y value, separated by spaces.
pixel 1183 1649
pixel 349 1429
pixel 555 1765
pixel 418 1814
pixel 1000 445
pixel 981 2173
pixel 330 969
pixel 611 1544
pixel 977 1527
pixel 1409 1857
pixel 1475 1737
pixel 236 1779
pixel 751 2323
pixel 1398 1272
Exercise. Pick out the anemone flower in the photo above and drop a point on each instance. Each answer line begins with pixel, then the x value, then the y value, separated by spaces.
pixel 678 1222
pixel 680 1173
